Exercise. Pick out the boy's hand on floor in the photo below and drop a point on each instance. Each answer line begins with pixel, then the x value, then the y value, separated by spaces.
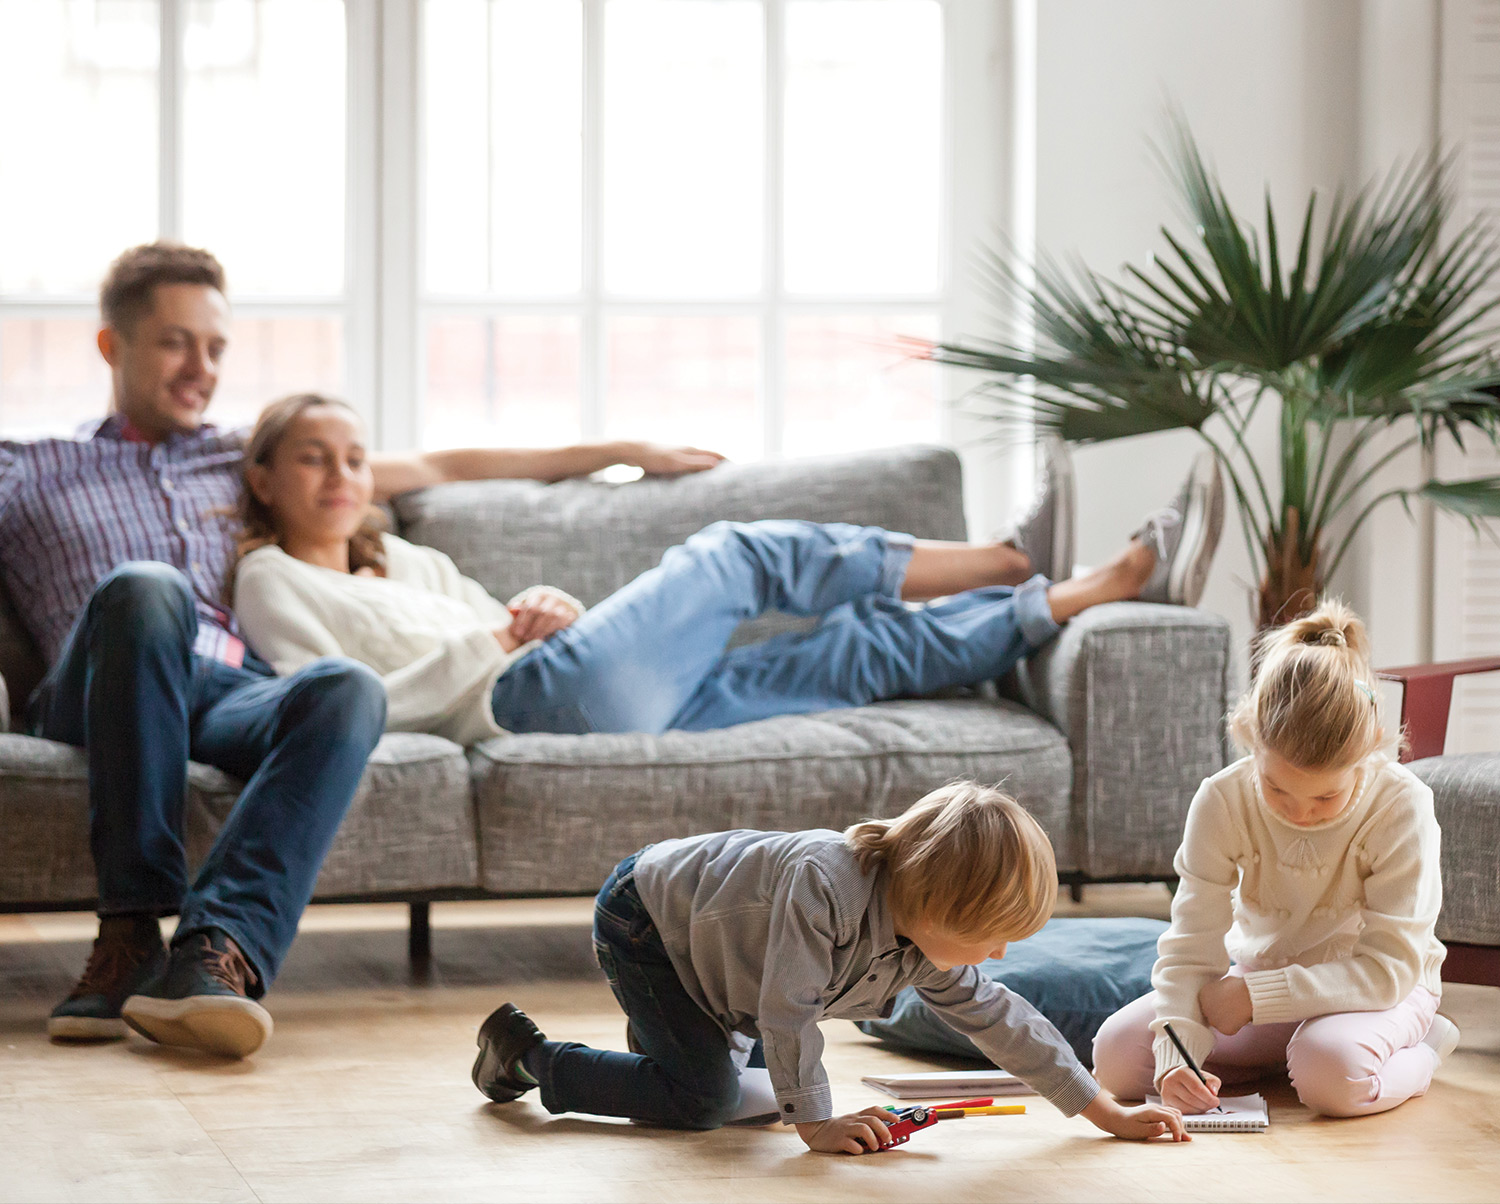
pixel 861 1133
pixel 1140 1123
pixel 1181 1089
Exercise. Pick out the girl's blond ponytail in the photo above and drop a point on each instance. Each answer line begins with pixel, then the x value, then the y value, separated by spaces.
pixel 1313 702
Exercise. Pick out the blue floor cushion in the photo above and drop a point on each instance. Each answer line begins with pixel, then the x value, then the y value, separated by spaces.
pixel 1076 972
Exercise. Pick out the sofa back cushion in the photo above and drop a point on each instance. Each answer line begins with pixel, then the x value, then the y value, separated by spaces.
pixel 590 538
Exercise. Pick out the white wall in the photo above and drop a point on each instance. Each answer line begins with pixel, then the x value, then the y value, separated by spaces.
pixel 1282 93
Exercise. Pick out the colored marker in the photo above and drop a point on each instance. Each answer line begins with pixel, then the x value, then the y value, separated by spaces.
pixel 995 1110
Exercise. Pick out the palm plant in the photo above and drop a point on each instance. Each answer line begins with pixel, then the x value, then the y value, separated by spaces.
pixel 1378 323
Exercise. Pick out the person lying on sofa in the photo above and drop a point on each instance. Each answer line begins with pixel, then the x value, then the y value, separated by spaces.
pixel 115 548
pixel 318 578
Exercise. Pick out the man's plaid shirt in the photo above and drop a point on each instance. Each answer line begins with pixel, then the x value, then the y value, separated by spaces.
pixel 71 510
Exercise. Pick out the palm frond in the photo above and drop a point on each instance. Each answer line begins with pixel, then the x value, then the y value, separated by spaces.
pixel 1379 318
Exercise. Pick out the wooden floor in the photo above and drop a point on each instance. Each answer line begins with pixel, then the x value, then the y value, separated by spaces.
pixel 364 1094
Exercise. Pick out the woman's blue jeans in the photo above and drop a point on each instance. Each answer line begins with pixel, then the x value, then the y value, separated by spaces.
pixel 651 657
pixel 684 1076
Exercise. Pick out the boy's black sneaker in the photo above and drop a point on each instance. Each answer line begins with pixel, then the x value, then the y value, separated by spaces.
pixel 199 1001
pixel 506 1036
pixel 127 952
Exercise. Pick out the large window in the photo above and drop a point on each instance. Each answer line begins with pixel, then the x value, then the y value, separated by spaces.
pixel 510 221
pixel 681 220
pixel 221 123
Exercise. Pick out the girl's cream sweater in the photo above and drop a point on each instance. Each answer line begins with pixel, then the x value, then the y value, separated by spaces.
pixel 1335 917
pixel 424 627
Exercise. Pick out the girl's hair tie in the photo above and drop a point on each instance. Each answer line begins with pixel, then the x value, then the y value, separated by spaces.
pixel 1369 693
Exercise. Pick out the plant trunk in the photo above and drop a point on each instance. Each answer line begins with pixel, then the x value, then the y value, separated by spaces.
pixel 1292 585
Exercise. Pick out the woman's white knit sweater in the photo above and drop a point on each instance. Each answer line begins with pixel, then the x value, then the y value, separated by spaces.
pixel 424 627
pixel 1333 917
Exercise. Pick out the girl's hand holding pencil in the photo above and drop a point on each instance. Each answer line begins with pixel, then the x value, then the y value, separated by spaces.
pixel 1190 1095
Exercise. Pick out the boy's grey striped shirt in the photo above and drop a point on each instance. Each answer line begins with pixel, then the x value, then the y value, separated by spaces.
pixel 772 932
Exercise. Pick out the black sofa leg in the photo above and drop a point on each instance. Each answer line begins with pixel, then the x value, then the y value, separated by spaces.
pixel 1075 891
pixel 419 938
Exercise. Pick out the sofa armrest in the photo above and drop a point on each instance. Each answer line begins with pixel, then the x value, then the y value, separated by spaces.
pixel 1140 691
pixel 1426 697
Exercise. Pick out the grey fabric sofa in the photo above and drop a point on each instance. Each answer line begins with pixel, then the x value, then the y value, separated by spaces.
pixel 1104 735
pixel 1466 798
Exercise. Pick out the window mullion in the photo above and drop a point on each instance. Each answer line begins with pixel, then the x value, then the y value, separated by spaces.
pixel 169 83
pixel 401 384
pixel 773 324
pixel 362 302
pixel 591 376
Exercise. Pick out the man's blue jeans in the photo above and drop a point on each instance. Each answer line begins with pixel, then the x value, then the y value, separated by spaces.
pixel 129 690
pixel 684 1076
pixel 651 657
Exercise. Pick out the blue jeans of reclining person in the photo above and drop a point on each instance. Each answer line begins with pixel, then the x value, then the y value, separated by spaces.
pixel 651 657
pixel 684 1076
pixel 129 690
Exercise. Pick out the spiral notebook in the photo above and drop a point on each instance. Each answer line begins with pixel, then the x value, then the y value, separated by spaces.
pixel 1235 1114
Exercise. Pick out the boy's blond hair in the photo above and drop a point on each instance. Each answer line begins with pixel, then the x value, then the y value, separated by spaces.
pixel 1313 702
pixel 967 858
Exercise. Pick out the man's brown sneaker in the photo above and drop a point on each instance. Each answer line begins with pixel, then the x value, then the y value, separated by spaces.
pixel 127 952
pixel 199 1001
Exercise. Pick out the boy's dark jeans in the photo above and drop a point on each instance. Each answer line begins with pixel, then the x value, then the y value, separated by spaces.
pixel 684 1077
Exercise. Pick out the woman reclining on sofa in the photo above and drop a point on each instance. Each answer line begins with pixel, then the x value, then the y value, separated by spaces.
pixel 318 578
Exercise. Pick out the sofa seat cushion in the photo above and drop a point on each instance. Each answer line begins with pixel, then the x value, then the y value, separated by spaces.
pixel 557 812
pixel 44 822
pixel 1466 796
pixel 410 827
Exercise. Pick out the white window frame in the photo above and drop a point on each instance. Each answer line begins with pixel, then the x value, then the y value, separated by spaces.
pixel 974 204
pixel 987 49
pixel 356 306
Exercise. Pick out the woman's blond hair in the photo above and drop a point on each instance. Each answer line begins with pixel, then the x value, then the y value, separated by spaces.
pixel 967 858
pixel 1313 702
pixel 257 525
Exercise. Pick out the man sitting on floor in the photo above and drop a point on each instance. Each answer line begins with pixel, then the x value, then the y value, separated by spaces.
pixel 115 548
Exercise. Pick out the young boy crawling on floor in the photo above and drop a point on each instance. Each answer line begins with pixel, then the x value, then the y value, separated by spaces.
pixel 713 941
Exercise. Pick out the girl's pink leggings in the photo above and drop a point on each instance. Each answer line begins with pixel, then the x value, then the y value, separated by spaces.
pixel 1342 1064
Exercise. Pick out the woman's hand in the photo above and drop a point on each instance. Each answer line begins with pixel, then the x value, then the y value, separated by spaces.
pixel 1181 1089
pixel 540 613
pixel 657 461
pixel 1140 1123
pixel 863 1132
pixel 1226 1004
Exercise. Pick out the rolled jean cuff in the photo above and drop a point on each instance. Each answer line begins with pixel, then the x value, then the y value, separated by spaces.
pixel 898 549
pixel 1033 613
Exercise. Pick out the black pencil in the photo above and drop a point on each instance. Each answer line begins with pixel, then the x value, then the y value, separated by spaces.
pixel 1182 1049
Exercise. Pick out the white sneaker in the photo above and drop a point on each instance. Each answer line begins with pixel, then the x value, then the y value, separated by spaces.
pixel 1045 530
pixel 1185 535
pixel 1442 1037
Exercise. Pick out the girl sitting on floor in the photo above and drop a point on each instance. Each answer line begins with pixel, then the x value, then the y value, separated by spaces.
pixel 1302 931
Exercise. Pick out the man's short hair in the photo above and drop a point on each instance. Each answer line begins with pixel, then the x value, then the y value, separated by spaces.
pixel 128 291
